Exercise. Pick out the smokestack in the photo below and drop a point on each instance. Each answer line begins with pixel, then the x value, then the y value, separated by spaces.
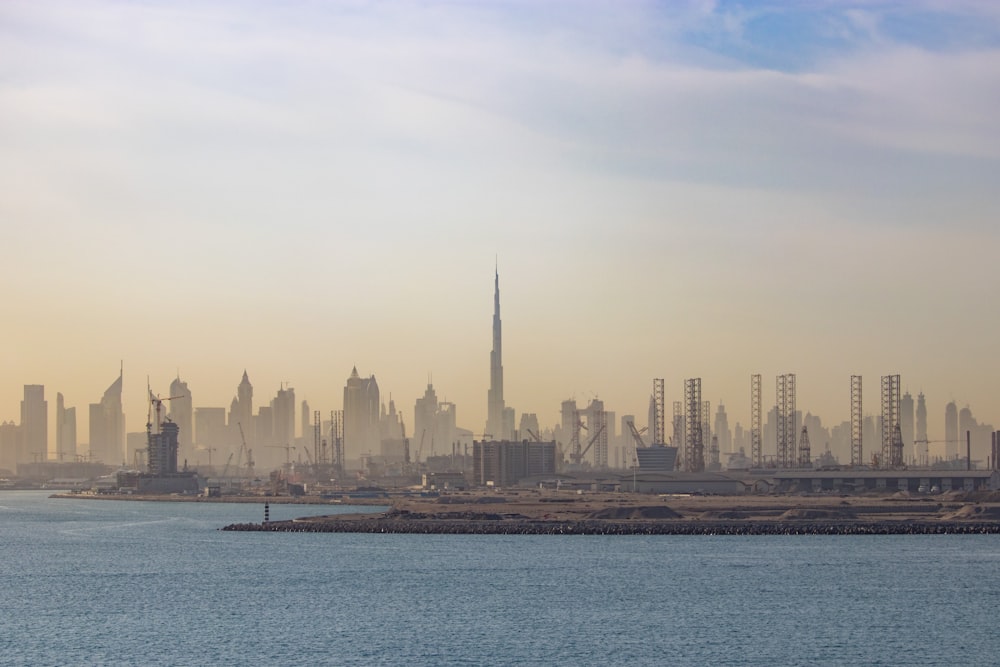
pixel 968 450
pixel 993 450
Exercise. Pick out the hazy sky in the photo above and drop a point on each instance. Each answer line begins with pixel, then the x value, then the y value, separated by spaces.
pixel 704 189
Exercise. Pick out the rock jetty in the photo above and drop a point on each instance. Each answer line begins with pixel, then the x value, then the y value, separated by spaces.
pixel 527 514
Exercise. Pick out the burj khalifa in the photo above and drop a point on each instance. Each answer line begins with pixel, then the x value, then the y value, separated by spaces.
pixel 495 408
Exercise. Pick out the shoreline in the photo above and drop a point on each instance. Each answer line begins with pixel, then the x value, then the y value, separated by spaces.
pixel 383 525
pixel 617 514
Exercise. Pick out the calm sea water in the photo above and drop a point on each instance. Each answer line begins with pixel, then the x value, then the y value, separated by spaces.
pixel 89 582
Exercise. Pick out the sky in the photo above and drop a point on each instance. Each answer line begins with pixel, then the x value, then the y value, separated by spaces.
pixel 668 189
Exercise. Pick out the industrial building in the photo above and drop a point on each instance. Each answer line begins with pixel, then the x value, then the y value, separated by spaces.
pixel 914 481
pixel 504 463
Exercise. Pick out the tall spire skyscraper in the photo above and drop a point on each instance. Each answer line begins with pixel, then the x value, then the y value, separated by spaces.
pixel 495 404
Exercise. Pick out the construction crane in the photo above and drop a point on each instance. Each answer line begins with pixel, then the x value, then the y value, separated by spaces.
pixel 225 468
pixel 156 403
pixel 637 434
pixel 288 453
pixel 534 435
pixel 243 446
pixel 406 442
pixel 577 458
pixel 420 447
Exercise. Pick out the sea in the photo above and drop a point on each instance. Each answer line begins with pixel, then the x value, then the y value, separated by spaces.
pixel 109 582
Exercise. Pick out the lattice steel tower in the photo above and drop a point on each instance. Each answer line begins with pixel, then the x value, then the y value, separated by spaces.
pixel 785 393
pixel 659 408
pixel 892 454
pixel 805 451
pixel 857 419
pixel 337 438
pixel 693 424
pixel 756 440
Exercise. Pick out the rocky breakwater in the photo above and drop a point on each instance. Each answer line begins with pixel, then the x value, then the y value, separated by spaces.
pixel 638 520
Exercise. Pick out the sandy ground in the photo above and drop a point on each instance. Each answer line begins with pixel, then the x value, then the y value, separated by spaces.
pixel 570 506
pixel 535 505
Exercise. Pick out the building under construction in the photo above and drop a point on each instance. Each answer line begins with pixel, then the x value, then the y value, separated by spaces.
pixel 162 475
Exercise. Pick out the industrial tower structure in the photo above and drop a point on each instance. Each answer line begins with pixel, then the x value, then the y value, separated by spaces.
pixel 337 440
pixel 857 419
pixel 659 413
pixel 495 408
pixel 805 451
pixel 756 439
pixel 694 445
pixel 892 439
pixel 785 393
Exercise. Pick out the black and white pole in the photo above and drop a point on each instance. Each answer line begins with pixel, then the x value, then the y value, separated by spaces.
pixel 267 512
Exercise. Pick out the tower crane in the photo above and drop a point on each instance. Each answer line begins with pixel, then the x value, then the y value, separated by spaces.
pixel 243 446
pixel 288 453
pixel 637 433
pixel 156 403
pixel 577 458
pixel 420 447
pixel 225 468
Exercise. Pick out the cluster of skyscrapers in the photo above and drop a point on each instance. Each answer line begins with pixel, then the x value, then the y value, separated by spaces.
pixel 370 431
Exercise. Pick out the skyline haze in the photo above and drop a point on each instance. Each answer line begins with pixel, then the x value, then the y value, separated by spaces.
pixel 693 190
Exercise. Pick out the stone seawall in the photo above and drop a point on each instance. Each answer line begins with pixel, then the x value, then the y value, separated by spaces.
pixel 683 527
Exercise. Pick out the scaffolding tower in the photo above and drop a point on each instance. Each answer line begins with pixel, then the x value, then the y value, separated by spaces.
pixel 892 457
pixel 337 438
pixel 706 425
pixel 659 407
pixel 756 453
pixel 693 424
pixel 318 452
pixel 857 417
pixel 785 393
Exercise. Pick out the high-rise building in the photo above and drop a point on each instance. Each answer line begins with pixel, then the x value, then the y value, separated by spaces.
pixel 722 429
pixel 496 419
pixel 307 430
pixel 920 432
pixel 107 426
pixel 283 415
pixel 65 430
pixel 528 426
pixel 951 431
pixel 390 422
pixel 182 414
pixel 11 447
pixel 361 416
pixel 906 422
pixel 35 422
pixel 241 413
pixel 597 432
pixel 210 427
pixel 425 412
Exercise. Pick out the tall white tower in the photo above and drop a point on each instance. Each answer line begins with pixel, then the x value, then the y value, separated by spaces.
pixel 495 425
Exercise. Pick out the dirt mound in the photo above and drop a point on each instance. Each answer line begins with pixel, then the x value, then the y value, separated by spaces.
pixel 800 514
pixel 974 513
pixel 620 513
pixel 466 500
pixel 722 514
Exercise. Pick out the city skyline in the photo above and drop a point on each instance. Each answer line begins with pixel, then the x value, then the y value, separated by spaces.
pixel 703 190
pixel 945 439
